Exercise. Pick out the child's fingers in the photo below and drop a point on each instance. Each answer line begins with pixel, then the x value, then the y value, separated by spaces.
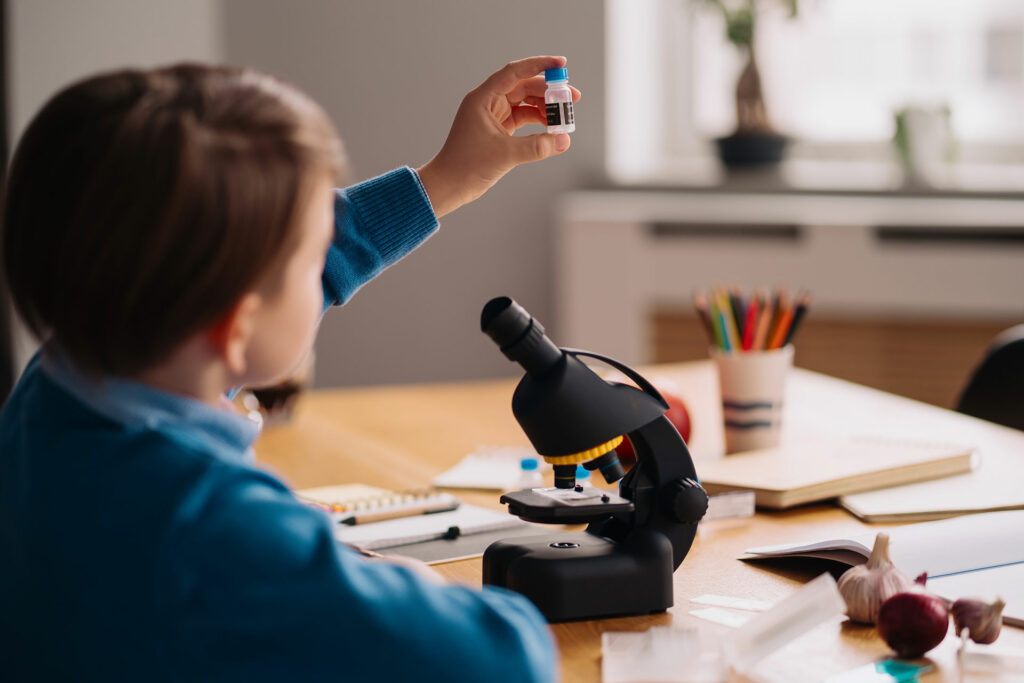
pixel 521 116
pixel 531 91
pixel 540 146
pixel 505 79
pixel 528 87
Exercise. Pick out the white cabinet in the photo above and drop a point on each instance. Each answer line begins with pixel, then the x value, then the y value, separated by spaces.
pixel 622 253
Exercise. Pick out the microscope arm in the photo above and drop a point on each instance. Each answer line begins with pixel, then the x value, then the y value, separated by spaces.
pixel 663 486
pixel 629 372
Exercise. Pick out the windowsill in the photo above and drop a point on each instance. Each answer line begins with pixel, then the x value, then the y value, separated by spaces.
pixel 800 176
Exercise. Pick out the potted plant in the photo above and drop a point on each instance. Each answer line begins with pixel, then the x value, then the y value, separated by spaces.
pixel 754 142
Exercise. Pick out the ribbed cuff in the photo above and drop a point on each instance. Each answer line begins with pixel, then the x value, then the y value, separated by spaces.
pixel 394 211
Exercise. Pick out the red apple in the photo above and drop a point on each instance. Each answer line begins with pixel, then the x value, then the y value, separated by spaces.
pixel 677 414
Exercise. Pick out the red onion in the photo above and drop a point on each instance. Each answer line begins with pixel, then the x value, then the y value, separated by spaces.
pixel 913 622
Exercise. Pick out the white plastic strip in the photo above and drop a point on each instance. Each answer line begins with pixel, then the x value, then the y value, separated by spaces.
pixel 815 603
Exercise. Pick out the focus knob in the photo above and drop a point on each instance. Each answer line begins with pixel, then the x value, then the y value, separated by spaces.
pixel 688 500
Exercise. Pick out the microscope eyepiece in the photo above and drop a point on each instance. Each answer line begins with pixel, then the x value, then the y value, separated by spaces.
pixel 520 337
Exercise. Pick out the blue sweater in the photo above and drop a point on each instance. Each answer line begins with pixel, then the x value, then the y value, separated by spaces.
pixel 138 542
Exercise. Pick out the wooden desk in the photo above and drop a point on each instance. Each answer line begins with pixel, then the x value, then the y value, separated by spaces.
pixel 401 437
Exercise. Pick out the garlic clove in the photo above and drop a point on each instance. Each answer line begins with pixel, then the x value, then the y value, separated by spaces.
pixel 867 586
pixel 982 620
pixel 879 557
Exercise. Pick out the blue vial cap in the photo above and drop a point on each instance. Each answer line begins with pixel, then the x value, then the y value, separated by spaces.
pixel 582 472
pixel 561 74
pixel 528 464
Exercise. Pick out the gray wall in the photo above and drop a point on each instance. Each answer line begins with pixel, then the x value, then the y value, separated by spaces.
pixel 51 43
pixel 391 74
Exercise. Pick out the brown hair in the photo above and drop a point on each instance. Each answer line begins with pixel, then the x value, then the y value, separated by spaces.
pixel 141 205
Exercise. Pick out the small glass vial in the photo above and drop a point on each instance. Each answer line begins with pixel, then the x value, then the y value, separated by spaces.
pixel 529 476
pixel 558 101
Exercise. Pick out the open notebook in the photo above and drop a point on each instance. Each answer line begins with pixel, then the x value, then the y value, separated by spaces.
pixel 464 521
pixel 970 556
pixel 818 469
pixel 428 525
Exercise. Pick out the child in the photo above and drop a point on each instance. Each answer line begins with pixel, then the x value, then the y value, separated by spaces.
pixel 170 235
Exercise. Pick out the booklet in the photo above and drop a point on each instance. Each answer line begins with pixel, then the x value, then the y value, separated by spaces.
pixel 994 485
pixel 969 556
pixel 811 470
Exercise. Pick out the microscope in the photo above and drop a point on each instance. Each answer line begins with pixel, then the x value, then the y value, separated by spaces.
pixel 622 563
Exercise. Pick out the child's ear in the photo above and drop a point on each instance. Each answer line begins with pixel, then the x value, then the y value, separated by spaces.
pixel 231 335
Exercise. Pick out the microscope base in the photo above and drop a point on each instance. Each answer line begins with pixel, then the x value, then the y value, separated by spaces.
pixel 581 576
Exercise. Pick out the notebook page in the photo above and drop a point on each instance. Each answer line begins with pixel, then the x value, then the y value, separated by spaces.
pixel 956 545
pixel 941 548
pixel 1006 582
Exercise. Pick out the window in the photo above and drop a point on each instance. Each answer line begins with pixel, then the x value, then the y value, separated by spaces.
pixel 833 78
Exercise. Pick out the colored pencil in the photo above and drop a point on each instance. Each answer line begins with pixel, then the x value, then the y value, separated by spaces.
pixel 771 302
pixel 715 324
pixel 700 302
pixel 780 298
pixel 750 323
pixel 729 321
pixel 723 327
pixel 739 312
pixel 802 302
pixel 782 327
pixel 780 312
pixel 764 321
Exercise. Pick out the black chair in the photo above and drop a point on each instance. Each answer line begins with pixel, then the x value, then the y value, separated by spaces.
pixel 995 391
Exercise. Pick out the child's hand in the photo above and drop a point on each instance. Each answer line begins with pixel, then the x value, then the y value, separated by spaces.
pixel 481 147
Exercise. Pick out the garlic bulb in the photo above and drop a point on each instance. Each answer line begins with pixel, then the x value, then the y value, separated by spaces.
pixel 982 620
pixel 866 587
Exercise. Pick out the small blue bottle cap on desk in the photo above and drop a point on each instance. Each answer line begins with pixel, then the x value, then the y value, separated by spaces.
pixel 528 464
pixel 560 74
pixel 582 472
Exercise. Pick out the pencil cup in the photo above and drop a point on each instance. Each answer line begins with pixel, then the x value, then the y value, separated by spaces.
pixel 752 385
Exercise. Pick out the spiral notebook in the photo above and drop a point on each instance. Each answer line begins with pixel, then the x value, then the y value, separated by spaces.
pixel 348 503
pixel 427 525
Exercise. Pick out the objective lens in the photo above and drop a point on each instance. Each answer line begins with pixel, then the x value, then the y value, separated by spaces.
pixel 565 476
pixel 609 465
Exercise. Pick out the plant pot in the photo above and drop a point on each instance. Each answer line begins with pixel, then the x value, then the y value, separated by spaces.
pixel 747 150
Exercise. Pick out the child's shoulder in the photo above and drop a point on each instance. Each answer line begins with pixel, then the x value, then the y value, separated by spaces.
pixel 61 448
